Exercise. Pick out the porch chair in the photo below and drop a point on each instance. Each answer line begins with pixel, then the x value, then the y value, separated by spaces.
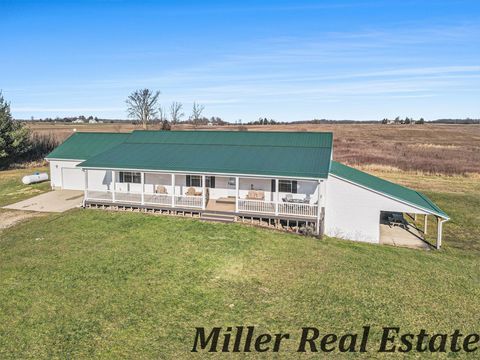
pixel 190 191
pixel 260 195
pixel 255 195
pixel 160 189
pixel 250 195
pixel 288 198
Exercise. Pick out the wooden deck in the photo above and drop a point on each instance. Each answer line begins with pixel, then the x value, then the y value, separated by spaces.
pixel 216 205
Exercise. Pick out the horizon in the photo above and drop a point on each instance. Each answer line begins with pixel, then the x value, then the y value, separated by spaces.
pixel 283 60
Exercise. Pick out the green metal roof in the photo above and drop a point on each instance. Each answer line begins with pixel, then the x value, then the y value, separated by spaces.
pixel 396 191
pixel 84 145
pixel 287 154
pixel 255 138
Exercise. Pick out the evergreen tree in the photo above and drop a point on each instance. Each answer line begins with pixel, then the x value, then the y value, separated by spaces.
pixel 14 136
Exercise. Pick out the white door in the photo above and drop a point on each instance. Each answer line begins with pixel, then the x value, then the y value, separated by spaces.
pixel 73 179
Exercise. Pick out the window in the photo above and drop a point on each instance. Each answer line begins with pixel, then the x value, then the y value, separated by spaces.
pixel 194 180
pixel 287 186
pixel 210 182
pixel 130 177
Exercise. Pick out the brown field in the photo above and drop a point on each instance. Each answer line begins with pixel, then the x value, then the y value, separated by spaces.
pixel 437 149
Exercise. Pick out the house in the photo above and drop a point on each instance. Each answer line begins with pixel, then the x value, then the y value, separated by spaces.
pixel 283 179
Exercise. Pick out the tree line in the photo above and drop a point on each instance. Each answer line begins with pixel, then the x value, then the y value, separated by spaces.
pixel 143 106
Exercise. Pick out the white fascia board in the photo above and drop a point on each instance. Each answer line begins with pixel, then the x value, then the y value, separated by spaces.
pixel 57 159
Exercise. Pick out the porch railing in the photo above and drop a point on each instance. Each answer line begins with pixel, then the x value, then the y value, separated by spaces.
pixel 150 199
pixel 189 201
pixel 158 199
pixel 128 197
pixel 99 195
pixel 267 207
pixel 297 209
pixel 244 205
pixel 259 206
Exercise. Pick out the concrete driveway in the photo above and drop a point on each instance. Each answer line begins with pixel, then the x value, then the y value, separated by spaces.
pixel 52 201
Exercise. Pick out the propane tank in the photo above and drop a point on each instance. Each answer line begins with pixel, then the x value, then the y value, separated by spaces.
pixel 35 178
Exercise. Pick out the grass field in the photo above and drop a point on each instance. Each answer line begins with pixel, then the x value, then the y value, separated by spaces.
pixel 12 189
pixel 91 283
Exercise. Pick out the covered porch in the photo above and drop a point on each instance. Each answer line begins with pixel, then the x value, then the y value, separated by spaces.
pixel 213 192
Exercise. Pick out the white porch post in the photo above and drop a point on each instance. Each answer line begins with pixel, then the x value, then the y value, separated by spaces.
pixel 204 202
pixel 114 180
pixel 319 197
pixel 425 226
pixel 237 192
pixel 439 232
pixel 142 178
pixel 276 196
pixel 173 190
pixel 85 195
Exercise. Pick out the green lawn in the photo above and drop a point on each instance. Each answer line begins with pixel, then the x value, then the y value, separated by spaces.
pixel 92 283
pixel 12 189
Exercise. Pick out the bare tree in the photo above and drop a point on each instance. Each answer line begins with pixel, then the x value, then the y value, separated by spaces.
pixel 176 112
pixel 162 114
pixel 197 113
pixel 142 105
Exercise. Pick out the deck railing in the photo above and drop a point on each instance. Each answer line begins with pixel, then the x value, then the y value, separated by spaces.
pixel 188 201
pixel 297 209
pixel 158 199
pixel 128 197
pixel 149 199
pixel 268 207
pixel 258 206
pixel 244 205
pixel 99 195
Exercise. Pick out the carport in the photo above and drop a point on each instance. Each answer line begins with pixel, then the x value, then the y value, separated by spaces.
pixel 361 202
pixel 411 231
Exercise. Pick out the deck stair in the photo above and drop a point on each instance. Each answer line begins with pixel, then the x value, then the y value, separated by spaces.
pixel 213 216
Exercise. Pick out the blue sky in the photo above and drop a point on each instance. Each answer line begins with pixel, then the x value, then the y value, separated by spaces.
pixel 287 60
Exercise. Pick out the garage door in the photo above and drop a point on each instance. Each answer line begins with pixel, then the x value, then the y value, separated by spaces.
pixel 73 179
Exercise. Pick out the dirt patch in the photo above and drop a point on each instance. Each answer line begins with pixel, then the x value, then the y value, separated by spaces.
pixel 10 218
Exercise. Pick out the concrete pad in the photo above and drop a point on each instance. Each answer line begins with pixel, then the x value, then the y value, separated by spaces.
pixel 53 201
pixel 398 236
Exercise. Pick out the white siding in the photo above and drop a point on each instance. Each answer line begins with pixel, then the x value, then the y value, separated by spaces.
pixel 100 180
pixel 56 175
pixel 73 179
pixel 353 212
